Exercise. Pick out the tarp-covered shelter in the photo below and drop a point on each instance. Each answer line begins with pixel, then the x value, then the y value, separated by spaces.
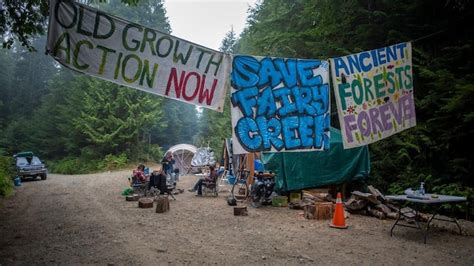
pixel 183 154
pixel 204 156
pixel 299 170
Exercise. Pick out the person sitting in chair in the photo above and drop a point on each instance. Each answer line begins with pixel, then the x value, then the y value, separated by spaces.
pixel 211 178
pixel 158 180
pixel 139 174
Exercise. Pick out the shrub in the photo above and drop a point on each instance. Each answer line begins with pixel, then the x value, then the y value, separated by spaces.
pixel 71 166
pixel 6 174
pixel 111 162
pixel 65 166
pixel 155 152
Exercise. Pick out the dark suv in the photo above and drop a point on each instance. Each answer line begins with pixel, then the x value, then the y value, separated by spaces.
pixel 29 165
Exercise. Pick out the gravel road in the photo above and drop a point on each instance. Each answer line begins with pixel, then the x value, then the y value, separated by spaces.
pixel 83 219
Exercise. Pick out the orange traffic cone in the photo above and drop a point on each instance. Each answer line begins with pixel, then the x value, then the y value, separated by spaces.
pixel 338 220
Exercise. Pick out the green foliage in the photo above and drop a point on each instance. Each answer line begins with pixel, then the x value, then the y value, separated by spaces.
pixel 179 124
pixel 72 165
pixel 150 13
pixel 229 42
pixel 23 20
pixel 436 151
pixel 111 162
pixel 84 165
pixel 151 152
pixel 78 121
pixel 75 121
pixel 6 175
pixel 214 127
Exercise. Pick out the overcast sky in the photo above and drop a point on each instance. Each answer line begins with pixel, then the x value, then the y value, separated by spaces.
pixel 206 22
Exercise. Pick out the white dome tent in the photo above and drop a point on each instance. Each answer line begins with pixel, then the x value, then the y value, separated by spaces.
pixel 183 154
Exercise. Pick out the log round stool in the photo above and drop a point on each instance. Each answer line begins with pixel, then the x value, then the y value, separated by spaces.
pixel 162 204
pixel 145 203
pixel 133 197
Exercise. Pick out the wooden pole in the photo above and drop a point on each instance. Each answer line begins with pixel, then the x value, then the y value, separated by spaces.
pixel 250 167
pixel 226 157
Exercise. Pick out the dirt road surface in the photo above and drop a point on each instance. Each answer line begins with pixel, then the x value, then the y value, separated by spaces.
pixel 84 219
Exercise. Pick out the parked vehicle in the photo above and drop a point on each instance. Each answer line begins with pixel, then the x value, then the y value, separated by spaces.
pixel 29 165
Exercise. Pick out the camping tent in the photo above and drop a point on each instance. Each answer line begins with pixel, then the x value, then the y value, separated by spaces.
pixel 183 154
pixel 299 170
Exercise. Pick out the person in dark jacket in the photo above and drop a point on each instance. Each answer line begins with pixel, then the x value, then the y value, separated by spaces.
pixel 167 163
pixel 158 180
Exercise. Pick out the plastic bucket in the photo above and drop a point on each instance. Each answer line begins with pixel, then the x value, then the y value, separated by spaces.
pixel 231 179
pixel 17 181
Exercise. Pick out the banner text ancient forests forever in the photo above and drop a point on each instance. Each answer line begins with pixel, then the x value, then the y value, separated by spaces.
pixel 374 94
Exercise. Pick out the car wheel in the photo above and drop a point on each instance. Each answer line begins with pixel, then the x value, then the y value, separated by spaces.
pixel 43 177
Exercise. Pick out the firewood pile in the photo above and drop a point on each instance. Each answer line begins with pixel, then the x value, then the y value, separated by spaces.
pixel 373 203
pixel 311 197
pixel 316 203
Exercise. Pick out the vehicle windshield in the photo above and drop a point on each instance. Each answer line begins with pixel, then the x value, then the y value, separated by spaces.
pixel 23 161
pixel 35 161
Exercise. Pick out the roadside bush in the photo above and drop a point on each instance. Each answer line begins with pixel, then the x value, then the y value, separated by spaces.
pixel 64 166
pixel 155 153
pixel 145 153
pixel 6 174
pixel 111 162
pixel 71 166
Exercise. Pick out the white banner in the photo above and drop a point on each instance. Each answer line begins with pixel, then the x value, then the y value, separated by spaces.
pixel 104 46
pixel 374 94
pixel 279 104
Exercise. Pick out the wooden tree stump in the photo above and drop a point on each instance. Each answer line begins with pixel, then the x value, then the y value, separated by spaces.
pixel 324 210
pixel 240 211
pixel 319 211
pixel 145 203
pixel 162 204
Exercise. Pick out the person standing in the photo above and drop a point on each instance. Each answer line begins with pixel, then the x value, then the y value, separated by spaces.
pixel 167 164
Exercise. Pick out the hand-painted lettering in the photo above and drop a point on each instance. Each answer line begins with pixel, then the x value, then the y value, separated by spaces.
pixel 279 104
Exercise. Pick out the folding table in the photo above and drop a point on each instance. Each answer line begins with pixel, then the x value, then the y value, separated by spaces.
pixel 436 200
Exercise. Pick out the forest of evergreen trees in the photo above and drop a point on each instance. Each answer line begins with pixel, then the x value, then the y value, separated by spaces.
pixel 81 124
